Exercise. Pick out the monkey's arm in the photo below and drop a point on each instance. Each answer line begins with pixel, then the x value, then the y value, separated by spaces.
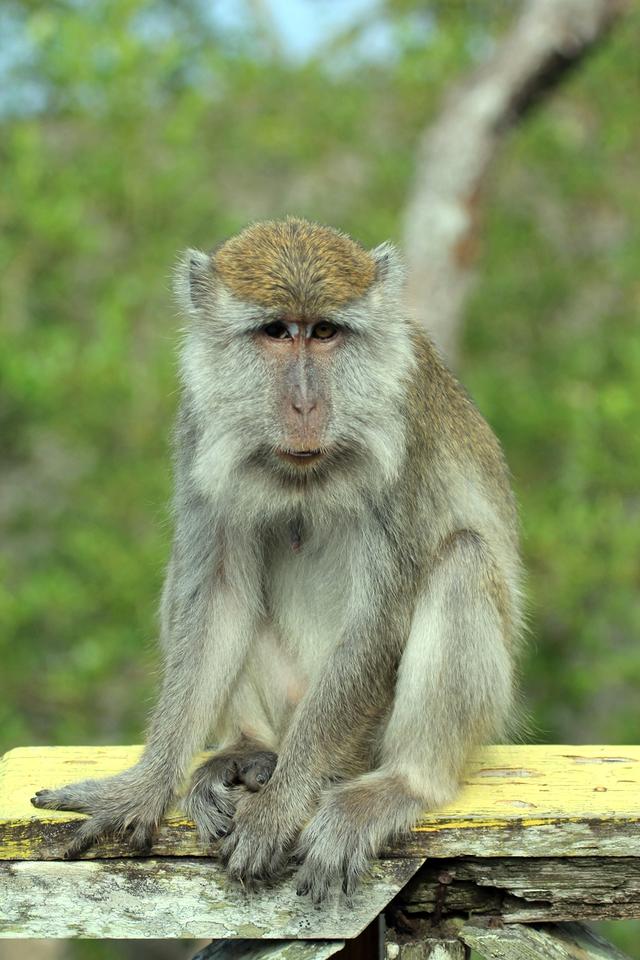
pixel 453 686
pixel 453 692
pixel 206 628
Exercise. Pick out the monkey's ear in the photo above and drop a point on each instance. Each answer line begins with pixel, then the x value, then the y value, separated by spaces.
pixel 390 266
pixel 193 280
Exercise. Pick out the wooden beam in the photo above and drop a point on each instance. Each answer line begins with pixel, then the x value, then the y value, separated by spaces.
pixel 518 801
pixel 519 890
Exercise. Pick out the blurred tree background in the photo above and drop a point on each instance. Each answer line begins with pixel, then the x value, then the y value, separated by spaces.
pixel 132 128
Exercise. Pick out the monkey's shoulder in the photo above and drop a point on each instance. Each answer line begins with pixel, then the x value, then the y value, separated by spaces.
pixel 457 475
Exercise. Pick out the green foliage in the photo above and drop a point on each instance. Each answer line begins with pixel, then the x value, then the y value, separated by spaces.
pixel 130 129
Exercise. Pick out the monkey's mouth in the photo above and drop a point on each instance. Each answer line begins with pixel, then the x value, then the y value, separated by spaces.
pixel 300 457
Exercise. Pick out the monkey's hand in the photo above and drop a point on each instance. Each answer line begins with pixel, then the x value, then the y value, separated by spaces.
pixel 265 828
pixel 124 806
pixel 338 844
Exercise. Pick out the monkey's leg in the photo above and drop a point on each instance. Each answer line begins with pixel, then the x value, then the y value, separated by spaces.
pixel 452 692
pixel 213 794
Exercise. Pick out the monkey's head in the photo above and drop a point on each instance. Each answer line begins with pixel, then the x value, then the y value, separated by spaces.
pixel 296 358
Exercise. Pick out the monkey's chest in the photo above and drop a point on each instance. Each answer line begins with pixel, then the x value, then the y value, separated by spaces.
pixel 307 602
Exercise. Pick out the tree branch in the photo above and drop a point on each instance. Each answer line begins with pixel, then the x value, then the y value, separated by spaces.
pixel 549 40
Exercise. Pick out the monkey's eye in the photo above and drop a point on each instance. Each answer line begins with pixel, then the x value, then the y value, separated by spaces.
pixel 277 330
pixel 324 330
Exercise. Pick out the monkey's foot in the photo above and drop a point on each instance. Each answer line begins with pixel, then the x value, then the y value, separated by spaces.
pixel 119 807
pixel 214 794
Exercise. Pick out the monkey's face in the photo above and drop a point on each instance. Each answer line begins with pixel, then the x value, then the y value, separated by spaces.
pixel 298 354
pixel 295 363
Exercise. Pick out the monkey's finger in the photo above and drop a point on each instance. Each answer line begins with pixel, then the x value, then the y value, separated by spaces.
pixel 355 864
pixel 45 799
pixel 302 887
pixel 249 862
pixel 350 882
pixel 319 886
pixel 212 825
pixel 224 802
pixel 244 863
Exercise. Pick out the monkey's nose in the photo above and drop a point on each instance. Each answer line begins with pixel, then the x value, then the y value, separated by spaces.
pixel 302 402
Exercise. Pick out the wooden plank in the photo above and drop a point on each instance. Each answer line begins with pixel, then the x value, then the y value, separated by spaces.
pixel 568 941
pixel 181 898
pixel 517 890
pixel 517 801
pixel 273 950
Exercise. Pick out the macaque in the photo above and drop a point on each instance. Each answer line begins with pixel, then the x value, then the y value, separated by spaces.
pixel 341 606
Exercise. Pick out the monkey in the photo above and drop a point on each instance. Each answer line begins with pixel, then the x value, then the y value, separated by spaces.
pixel 342 604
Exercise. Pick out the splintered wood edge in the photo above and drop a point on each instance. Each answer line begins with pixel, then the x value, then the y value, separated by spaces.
pixel 553 942
pixel 518 890
pixel 517 801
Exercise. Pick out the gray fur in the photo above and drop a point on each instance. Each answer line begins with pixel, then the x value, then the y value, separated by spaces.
pixel 371 648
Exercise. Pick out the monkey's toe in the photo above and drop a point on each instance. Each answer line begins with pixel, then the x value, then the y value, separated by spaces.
pixel 255 770
pixel 57 800
pixel 211 805
pixel 316 886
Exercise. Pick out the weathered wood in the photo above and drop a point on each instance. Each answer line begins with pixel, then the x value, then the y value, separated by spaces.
pixel 569 941
pixel 518 890
pixel 273 950
pixel 180 898
pixel 519 832
pixel 519 801
pixel 426 943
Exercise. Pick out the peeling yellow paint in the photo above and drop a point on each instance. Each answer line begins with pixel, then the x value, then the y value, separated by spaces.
pixel 564 784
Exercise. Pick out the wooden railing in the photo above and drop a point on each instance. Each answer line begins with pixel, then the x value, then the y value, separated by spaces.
pixel 541 837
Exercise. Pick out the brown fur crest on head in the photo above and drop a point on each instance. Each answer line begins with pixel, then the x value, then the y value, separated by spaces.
pixel 295 266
